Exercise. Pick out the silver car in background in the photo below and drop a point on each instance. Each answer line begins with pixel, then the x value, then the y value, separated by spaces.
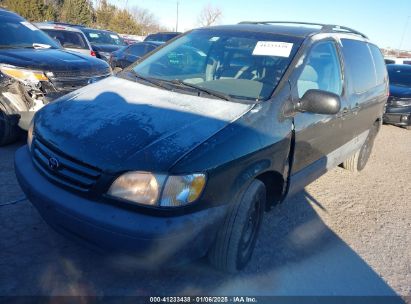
pixel 70 38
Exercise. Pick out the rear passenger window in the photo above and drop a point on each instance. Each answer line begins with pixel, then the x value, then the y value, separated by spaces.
pixel 322 70
pixel 359 64
pixel 380 67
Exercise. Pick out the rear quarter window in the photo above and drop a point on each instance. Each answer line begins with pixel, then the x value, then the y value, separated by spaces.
pixel 68 39
pixel 359 64
pixel 380 67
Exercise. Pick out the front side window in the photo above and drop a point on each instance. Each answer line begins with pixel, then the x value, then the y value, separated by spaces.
pixel 241 65
pixel 322 70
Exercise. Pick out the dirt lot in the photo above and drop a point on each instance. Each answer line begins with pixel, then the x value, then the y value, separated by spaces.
pixel 346 234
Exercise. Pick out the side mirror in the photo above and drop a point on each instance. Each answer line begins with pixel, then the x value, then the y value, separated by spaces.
pixel 58 42
pixel 319 102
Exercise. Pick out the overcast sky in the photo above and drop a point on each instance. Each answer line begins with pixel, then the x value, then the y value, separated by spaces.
pixel 382 20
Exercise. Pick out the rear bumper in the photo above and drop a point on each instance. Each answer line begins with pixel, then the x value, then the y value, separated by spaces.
pixel 398 119
pixel 156 240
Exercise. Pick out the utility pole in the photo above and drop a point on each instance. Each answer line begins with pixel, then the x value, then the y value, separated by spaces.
pixel 178 3
pixel 403 35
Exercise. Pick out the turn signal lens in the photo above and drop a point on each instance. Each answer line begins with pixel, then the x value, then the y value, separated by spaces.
pixel 182 190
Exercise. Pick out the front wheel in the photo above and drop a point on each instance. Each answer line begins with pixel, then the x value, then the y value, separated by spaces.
pixel 236 239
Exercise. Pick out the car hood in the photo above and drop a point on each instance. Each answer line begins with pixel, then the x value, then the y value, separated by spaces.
pixel 118 125
pixel 49 60
pixel 107 48
pixel 400 91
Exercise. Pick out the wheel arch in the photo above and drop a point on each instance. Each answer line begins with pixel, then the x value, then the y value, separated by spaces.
pixel 274 184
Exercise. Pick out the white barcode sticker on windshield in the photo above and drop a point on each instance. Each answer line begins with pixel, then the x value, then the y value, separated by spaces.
pixel 273 48
pixel 93 35
pixel 114 36
pixel 29 25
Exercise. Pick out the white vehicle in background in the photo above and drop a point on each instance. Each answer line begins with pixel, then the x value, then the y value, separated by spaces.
pixel 394 60
pixel 70 38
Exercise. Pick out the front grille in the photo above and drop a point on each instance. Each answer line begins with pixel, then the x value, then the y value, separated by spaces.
pixel 82 73
pixel 69 172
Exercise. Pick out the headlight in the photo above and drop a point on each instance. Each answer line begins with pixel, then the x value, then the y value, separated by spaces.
pixel 30 135
pixel 145 188
pixel 140 187
pixel 23 75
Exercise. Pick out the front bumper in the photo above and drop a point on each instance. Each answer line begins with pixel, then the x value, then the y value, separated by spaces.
pixel 156 240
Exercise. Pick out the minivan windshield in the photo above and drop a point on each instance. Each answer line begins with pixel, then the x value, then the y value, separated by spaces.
pixel 400 76
pixel 15 33
pixel 238 64
pixel 103 37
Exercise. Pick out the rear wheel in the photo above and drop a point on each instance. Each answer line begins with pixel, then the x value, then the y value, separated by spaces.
pixel 236 239
pixel 9 130
pixel 358 161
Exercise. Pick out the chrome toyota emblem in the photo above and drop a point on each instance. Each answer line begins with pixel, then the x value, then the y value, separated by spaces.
pixel 53 163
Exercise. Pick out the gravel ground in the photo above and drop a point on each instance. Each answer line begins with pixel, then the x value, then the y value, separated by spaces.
pixel 345 234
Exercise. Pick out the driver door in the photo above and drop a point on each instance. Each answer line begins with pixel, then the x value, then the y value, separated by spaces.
pixel 318 138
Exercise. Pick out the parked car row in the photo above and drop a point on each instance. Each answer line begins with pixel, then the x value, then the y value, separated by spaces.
pixel 35 70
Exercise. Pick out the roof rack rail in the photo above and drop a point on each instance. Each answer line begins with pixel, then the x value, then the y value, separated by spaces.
pixel 325 28
pixel 65 24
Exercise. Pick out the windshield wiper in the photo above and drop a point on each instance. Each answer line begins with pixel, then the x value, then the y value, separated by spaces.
pixel 149 80
pixel 200 89
pixel 16 46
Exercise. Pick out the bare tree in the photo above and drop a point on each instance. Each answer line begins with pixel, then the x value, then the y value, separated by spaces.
pixel 209 15
pixel 146 19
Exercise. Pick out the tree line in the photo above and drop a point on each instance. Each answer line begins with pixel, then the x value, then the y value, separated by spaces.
pixel 100 15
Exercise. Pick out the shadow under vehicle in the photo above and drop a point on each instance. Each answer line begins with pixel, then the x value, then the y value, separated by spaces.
pixel 181 154
pixel 34 71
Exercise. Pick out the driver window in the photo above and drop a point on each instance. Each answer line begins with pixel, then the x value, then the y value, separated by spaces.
pixel 322 70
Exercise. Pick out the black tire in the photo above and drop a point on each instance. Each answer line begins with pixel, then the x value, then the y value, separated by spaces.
pixel 236 239
pixel 9 129
pixel 358 161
